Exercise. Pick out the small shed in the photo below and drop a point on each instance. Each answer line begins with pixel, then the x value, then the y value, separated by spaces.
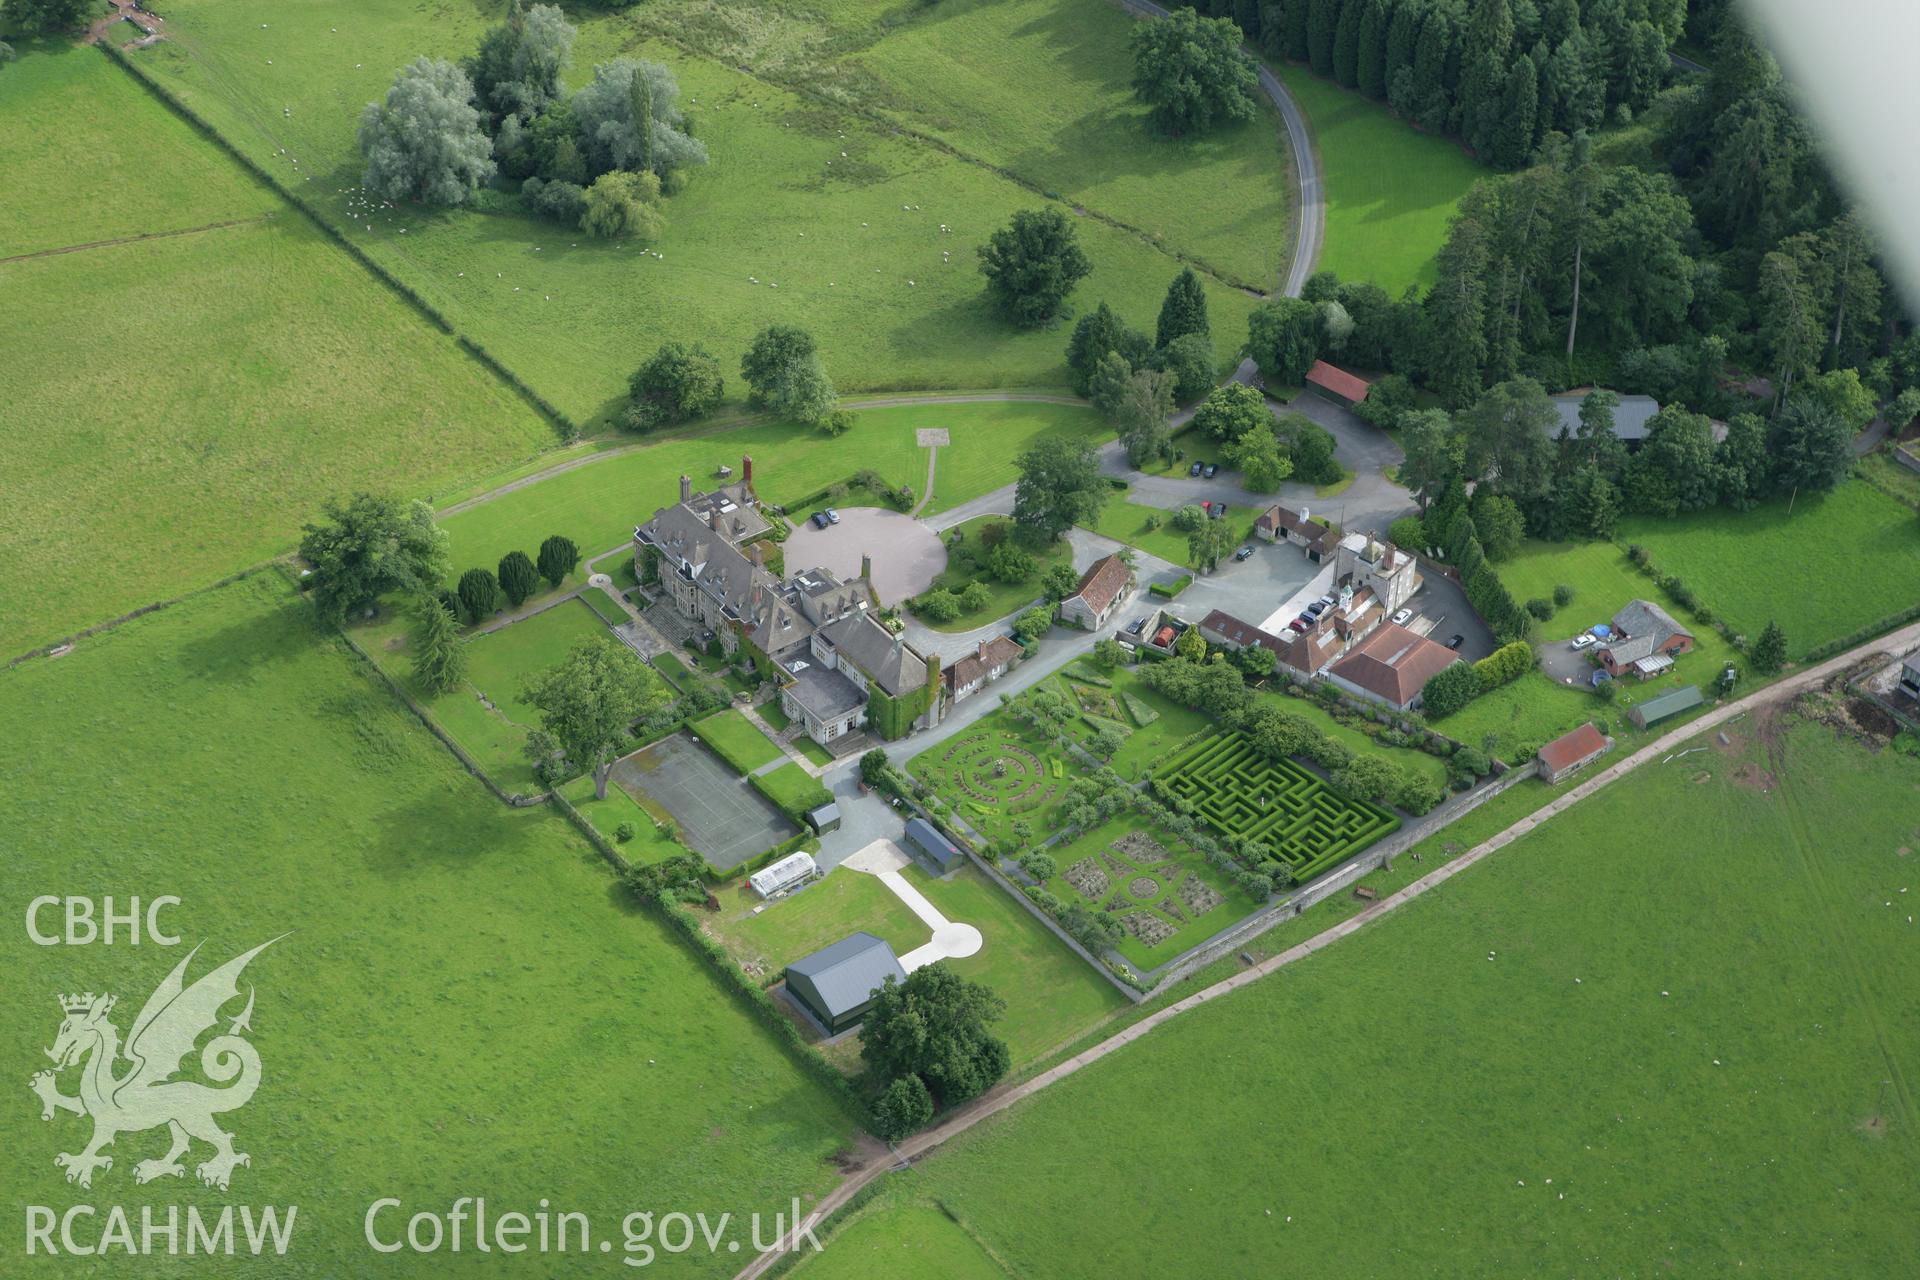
pixel 1331 382
pixel 836 984
pixel 1910 675
pixel 1667 704
pixel 925 837
pixel 793 870
pixel 1573 751
pixel 824 819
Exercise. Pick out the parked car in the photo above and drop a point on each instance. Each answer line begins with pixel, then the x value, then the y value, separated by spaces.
pixel 1298 624
pixel 1212 470
pixel 1317 608
pixel 1195 469
pixel 1135 627
pixel 1400 618
pixel 1243 553
pixel 833 517
pixel 1326 600
pixel 1582 640
pixel 1218 511
pixel 1457 641
pixel 818 519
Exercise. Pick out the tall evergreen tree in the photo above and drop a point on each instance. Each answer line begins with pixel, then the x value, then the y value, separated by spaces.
pixel 1370 59
pixel 1184 311
pixel 1346 43
pixel 1513 138
pixel 1293 26
pixel 1323 16
pixel 1489 43
pixel 439 659
pixel 1456 311
pixel 518 580
pixel 1402 35
pixel 1432 99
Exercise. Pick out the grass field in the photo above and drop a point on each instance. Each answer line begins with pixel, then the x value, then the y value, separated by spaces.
pixel 1389 189
pixel 898 1234
pixel 598 504
pixel 1747 953
pixel 780 203
pixel 1840 562
pixel 463 1004
pixel 1057 76
pixel 499 664
pixel 1128 522
pixel 799 924
pixel 178 407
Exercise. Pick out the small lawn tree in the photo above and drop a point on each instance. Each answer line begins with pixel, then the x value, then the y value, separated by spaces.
pixel 1032 264
pixel 1231 411
pixel 1184 312
pixel 439 659
pixel 1059 582
pixel 783 373
pixel 1192 73
pixel 621 204
pixel 479 593
pixel 368 546
pixel 1208 543
pixel 558 557
pixel 518 579
pixel 936 1026
pixel 588 701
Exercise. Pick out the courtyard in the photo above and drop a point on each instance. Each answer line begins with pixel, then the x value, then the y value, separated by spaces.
pixel 907 556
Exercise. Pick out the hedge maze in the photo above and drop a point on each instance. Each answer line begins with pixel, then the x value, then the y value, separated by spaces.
pixel 1248 797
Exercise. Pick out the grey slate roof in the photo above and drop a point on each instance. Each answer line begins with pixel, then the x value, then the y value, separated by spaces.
pixel 845 975
pixel 1648 629
pixel 1630 416
pixel 827 693
pixel 881 656
pixel 936 846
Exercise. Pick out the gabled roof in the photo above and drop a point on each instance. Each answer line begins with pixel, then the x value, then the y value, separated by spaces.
pixel 1346 385
pixel 931 842
pixel 997 652
pixel 1241 634
pixel 1670 703
pixel 1570 749
pixel 1103 582
pixel 1645 629
pixel 1394 664
pixel 845 975
pixel 1297 523
pixel 882 657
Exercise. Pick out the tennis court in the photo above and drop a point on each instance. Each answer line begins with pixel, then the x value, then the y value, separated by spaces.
pixel 721 817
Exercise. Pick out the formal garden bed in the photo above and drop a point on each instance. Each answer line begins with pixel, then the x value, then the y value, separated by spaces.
pixel 1161 891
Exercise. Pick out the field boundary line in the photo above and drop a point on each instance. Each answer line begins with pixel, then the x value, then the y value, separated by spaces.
pixel 144 235
pixel 565 426
pixel 997 1100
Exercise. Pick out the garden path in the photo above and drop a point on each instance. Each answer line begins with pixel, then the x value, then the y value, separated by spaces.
pixel 951 940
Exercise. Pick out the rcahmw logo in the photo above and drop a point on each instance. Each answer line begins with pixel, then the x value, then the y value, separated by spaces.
pixel 128 1087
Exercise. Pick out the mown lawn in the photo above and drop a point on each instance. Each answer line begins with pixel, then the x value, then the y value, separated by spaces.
pixel 650 842
pixel 453 971
pixel 597 505
pixel 1389 189
pixel 1838 563
pixel 780 204
pixel 1151 528
pixel 785 929
pixel 735 739
pixel 1743 946
pixel 177 408
pixel 499 664
pixel 1052 995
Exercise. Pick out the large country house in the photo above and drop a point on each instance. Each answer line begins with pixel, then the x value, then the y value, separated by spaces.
pixel 838 667
pixel 1371 580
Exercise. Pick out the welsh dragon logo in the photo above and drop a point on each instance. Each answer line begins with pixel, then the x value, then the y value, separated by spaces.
pixel 145 1095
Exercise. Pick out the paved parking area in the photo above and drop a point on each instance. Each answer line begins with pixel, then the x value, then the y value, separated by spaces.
pixel 1565 665
pixel 721 816
pixel 907 556
pixel 1250 589
pixel 1445 606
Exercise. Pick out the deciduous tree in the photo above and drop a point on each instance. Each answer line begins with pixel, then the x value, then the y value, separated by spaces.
pixel 1033 263
pixel 368 546
pixel 1191 72
pixel 587 702
pixel 1060 485
pixel 424 141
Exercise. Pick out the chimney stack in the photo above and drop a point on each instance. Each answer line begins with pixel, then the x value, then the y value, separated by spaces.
pixel 983 651
pixel 757 552
pixel 866 568
pixel 746 470
pixel 713 520
pixel 686 488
